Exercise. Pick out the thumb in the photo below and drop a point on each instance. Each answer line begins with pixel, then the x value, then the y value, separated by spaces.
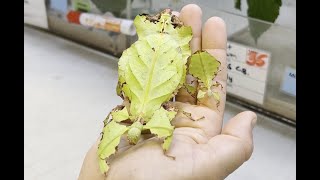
pixel 241 127
pixel 234 145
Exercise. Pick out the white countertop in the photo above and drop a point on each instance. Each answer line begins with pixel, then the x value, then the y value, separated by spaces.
pixel 69 90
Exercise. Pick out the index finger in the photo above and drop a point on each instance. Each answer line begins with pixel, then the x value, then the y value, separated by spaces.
pixel 191 15
pixel 214 41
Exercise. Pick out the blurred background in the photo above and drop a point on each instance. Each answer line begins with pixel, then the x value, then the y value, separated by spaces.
pixel 71 50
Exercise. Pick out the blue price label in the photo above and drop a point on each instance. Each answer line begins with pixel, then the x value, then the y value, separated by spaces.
pixel 288 85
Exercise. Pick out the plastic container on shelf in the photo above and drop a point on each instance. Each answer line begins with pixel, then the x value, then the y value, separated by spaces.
pixel 105 22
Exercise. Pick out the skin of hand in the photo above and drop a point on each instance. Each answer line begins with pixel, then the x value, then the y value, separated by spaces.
pixel 201 149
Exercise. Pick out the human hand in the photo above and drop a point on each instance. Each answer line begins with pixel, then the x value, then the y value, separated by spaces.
pixel 201 149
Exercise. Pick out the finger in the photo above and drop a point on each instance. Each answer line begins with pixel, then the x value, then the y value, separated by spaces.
pixel 235 145
pixel 241 127
pixel 191 15
pixel 214 41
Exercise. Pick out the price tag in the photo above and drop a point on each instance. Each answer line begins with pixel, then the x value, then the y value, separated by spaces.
pixel 247 71
pixel 288 85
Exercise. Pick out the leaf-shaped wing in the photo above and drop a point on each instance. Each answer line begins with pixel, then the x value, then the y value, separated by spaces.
pixel 110 140
pixel 154 67
pixel 153 73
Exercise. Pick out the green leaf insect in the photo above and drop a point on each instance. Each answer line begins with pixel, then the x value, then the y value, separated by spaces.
pixel 150 73
pixel 204 67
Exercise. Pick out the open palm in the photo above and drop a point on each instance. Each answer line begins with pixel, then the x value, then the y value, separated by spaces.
pixel 200 149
